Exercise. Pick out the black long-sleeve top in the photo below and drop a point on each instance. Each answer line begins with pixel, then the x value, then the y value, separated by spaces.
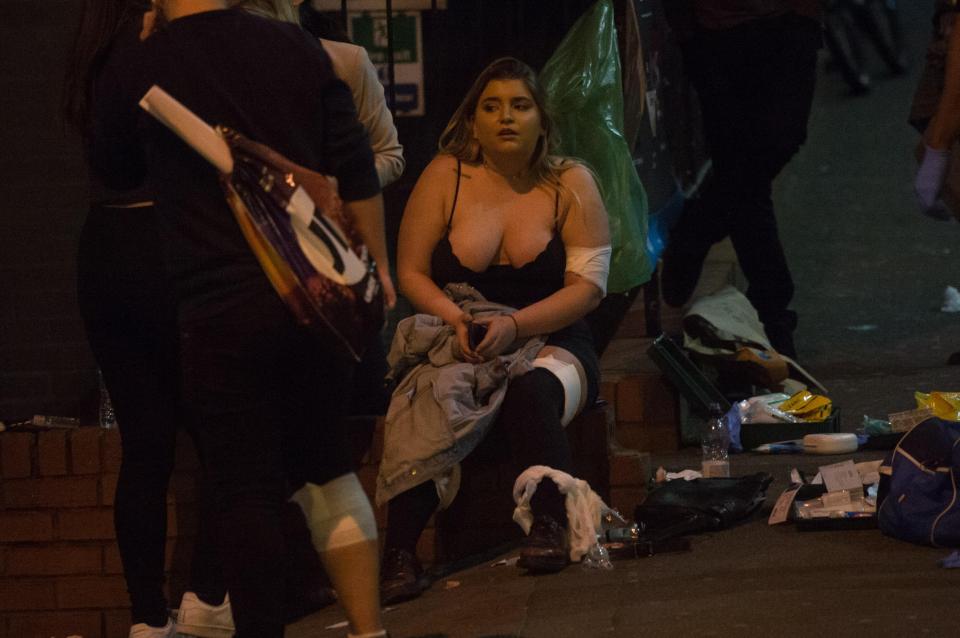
pixel 268 80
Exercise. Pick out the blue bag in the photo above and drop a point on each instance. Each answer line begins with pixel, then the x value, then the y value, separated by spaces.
pixel 917 499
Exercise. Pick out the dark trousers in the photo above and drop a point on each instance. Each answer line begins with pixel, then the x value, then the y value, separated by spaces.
pixel 755 84
pixel 268 400
pixel 130 323
pixel 527 429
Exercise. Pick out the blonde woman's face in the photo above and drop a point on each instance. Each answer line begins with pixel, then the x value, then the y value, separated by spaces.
pixel 507 119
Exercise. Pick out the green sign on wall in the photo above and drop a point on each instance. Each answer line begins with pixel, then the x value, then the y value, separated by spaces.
pixel 370 32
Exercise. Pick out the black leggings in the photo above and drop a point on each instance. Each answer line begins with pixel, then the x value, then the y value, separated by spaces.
pixel 528 426
pixel 269 402
pixel 130 323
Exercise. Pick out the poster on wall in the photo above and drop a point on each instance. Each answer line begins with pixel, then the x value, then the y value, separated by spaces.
pixel 369 30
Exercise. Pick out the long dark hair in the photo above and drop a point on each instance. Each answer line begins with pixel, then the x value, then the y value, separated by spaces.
pixel 99 24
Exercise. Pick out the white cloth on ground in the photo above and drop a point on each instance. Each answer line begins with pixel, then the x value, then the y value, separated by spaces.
pixel 584 507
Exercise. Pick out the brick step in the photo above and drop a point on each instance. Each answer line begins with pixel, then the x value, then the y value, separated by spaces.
pixel 646 404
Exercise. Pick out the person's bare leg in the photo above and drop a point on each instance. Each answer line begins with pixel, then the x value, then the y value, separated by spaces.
pixel 354 571
pixel 344 533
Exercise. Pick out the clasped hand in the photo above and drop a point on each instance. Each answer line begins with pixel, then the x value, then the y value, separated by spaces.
pixel 501 332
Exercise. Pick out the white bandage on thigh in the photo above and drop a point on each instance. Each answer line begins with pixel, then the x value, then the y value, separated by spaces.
pixel 569 379
pixel 338 513
pixel 593 264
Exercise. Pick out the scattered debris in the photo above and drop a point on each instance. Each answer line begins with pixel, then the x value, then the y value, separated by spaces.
pixel 951 300
pixel 506 562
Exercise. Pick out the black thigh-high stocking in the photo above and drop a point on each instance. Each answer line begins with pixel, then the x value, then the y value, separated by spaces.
pixel 530 419
pixel 408 514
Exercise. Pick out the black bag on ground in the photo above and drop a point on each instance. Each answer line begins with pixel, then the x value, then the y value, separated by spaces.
pixel 683 507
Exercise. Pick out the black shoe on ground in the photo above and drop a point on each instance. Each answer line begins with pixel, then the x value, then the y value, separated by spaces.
pixel 545 548
pixel 780 333
pixel 401 577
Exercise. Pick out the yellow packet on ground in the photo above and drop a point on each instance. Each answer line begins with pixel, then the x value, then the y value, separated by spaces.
pixel 808 406
pixel 797 401
pixel 945 405
pixel 822 413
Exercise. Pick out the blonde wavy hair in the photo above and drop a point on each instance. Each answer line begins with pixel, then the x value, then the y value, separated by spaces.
pixel 282 10
pixel 457 138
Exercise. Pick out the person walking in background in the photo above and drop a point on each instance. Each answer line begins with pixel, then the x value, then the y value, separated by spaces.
pixel 753 66
pixel 129 314
pixel 846 21
pixel 935 111
pixel 266 394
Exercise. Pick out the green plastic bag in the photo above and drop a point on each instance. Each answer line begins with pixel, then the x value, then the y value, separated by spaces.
pixel 585 96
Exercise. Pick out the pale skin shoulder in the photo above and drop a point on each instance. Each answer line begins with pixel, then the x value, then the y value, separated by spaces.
pixel 586 222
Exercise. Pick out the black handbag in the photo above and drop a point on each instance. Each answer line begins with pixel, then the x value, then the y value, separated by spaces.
pixel 679 507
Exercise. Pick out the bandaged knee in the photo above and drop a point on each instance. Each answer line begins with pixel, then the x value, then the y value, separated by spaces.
pixel 569 378
pixel 593 264
pixel 338 513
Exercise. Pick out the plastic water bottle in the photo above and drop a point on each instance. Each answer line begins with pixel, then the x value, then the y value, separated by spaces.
pixel 716 444
pixel 108 419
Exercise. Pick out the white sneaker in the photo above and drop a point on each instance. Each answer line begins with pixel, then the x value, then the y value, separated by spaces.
pixel 143 630
pixel 197 618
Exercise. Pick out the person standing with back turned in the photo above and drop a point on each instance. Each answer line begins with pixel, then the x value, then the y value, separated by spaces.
pixel 266 394
pixel 130 319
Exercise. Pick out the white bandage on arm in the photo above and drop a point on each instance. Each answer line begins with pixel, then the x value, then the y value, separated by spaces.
pixel 338 513
pixel 570 380
pixel 593 264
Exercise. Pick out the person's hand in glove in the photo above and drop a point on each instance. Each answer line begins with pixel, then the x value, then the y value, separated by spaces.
pixel 929 180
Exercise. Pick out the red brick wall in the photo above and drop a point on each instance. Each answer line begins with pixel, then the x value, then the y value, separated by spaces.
pixel 60 570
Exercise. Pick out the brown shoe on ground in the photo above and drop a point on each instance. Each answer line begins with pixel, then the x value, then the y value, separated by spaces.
pixel 401 577
pixel 545 548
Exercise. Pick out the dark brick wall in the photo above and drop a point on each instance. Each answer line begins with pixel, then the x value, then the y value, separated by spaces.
pixel 60 570
pixel 45 365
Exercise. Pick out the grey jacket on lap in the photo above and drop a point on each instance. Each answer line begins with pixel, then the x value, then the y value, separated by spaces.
pixel 443 406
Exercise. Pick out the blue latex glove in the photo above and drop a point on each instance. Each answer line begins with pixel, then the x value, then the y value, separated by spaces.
pixel 929 180
pixel 733 426
pixel 952 561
